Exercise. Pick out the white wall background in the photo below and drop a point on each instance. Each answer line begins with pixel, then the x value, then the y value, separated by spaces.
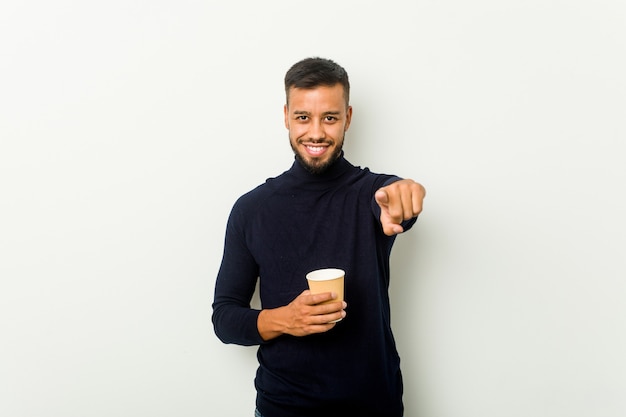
pixel 128 129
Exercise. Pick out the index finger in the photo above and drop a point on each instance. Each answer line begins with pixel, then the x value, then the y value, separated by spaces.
pixel 314 299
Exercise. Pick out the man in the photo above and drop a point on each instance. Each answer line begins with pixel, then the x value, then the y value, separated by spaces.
pixel 322 212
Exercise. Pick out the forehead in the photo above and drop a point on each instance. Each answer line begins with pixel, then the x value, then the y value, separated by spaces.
pixel 320 95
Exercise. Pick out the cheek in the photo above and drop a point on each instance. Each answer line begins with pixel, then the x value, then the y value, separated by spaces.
pixel 297 131
pixel 339 131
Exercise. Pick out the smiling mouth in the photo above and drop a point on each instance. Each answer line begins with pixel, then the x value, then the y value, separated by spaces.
pixel 315 150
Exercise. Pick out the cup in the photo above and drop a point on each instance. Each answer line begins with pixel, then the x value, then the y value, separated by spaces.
pixel 327 280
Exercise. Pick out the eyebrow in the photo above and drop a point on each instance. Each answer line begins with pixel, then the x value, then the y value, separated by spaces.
pixel 326 113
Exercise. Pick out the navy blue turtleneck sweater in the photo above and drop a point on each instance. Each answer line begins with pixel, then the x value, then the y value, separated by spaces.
pixel 286 227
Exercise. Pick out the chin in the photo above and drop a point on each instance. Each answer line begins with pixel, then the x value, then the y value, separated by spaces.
pixel 315 166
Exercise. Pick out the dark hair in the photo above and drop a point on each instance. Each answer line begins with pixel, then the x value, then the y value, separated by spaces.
pixel 315 72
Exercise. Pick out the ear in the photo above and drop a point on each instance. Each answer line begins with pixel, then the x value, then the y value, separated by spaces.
pixel 286 112
pixel 348 118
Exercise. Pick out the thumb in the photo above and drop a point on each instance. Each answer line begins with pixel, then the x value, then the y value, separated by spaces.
pixel 381 197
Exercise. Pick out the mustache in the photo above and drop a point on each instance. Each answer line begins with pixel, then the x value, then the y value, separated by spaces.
pixel 316 141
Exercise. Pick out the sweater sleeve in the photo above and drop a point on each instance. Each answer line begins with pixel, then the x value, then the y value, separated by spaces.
pixel 233 319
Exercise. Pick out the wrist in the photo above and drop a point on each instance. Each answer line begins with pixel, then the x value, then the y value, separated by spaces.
pixel 268 324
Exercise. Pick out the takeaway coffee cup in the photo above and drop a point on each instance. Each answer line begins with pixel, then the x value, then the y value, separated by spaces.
pixel 327 280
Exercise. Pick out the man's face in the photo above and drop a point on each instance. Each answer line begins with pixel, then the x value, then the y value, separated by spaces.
pixel 317 120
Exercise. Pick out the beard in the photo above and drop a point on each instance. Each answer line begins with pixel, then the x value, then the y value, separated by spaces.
pixel 315 165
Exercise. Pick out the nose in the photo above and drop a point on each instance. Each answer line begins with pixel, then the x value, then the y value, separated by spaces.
pixel 316 132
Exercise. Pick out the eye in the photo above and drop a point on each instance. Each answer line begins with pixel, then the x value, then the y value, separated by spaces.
pixel 330 118
pixel 302 117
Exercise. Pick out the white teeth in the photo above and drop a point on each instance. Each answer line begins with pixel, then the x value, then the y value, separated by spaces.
pixel 315 148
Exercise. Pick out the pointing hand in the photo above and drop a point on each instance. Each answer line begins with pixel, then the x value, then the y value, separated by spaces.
pixel 399 201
